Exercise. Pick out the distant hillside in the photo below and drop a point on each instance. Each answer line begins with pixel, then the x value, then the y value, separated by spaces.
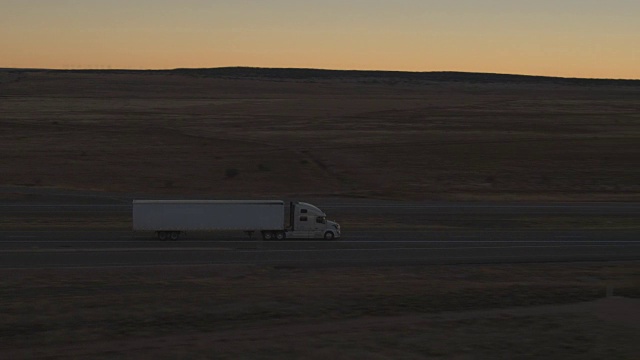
pixel 356 75
pixel 440 76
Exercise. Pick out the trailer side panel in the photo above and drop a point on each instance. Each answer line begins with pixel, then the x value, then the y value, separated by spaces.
pixel 198 215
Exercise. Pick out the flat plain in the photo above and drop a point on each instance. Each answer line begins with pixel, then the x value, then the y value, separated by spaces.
pixel 527 311
pixel 76 136
pixel 276 134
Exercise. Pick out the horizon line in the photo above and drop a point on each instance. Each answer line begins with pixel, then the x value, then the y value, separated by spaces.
pixel 315 69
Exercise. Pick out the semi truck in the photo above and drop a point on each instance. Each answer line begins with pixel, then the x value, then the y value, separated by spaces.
pixel 170 218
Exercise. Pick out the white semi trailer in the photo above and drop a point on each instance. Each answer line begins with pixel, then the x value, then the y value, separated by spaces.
pixel 169 218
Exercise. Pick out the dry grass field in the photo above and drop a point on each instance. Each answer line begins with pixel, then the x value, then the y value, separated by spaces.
pixel 551 311
pixel 524 311
pixel 300 134
pixel 249 134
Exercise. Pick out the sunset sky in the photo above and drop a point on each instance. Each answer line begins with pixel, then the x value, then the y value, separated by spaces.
pixel 571 38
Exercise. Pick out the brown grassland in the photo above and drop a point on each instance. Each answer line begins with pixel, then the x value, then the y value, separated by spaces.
pixel 551 311
pixel 253 136
pixel 180 134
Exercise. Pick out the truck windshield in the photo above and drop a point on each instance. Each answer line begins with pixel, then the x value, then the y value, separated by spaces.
pixel 321 220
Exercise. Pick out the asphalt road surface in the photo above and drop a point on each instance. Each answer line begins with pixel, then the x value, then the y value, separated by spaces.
pixel 93 248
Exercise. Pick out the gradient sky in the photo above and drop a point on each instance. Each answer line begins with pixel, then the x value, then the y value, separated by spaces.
pixel 573 38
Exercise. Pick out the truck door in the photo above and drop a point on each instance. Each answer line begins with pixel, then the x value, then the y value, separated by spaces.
pixel 304 227
pixel 304 224
pixel 319 227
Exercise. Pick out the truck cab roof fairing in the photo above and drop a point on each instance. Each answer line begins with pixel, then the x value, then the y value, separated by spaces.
pixel 313 208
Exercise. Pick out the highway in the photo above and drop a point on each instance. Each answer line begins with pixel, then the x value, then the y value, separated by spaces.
pixel 52 248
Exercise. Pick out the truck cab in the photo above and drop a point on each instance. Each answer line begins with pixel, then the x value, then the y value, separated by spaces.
pixel 309 222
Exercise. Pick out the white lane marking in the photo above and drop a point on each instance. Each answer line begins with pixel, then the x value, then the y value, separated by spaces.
pixel 267 244
pixel 61 205
pixel 446 248
pixel 472 206
pixel 109 250
pixel 86 250
pixel 131 240
pixel 62 232
pixel 460 241
pixel 125 265
pixel 492 259
pixel 581 207
pixel 480 233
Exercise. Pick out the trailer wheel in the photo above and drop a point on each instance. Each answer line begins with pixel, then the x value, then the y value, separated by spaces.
pixel 267 235
pixel 162 235
pixel 174 235
pixel 280 235
pixel 328 235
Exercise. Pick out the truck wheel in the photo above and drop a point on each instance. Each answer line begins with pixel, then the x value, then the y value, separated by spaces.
pixel 280 235
pixel 267 235
pixel 174 235
pixel 162 235
pixel 328 235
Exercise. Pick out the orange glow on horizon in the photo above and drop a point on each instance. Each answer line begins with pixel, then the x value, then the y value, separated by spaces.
pixel 410 35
